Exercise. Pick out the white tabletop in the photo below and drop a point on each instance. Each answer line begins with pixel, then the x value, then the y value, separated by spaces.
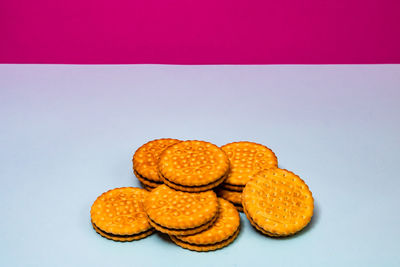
pixel 68 134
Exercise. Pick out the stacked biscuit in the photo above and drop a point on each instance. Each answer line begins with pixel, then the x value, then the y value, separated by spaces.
pixel 246 160
pixel 183 180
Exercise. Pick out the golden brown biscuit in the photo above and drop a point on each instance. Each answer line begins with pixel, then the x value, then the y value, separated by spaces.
pixel 118 214
pixel 180 213
pixel 194 189
pixel 247 159
pixel 232 196
pixel 148 188
pixel 235 188
pixel 183 232
pixel 258 228
pixel 277 202
pixel 123 238
pixel 145 181
pixel 193 166
pixel 205 248
pixel 145 160
pixel 220 234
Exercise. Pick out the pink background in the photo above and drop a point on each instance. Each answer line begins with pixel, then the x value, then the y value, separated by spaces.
pixel 200 32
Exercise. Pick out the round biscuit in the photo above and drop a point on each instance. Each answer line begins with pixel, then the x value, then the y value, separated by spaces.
pixel 146 158
pixel 236 188
pixel 258 227
pixel 193 163
pixel 148 188
pixel 227 223
pixel 183 232
pixel 278 202
pixel 122 238
pixel 232 196
pixel 180 210
pixel 205 248
pixel 120 211
pixel 247 158
pixel 145 181
pixel 194 189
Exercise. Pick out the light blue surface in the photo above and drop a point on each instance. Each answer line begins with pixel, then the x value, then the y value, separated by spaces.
pixel 68 134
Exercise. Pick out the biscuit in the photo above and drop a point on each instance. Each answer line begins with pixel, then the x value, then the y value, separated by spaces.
pixel 232 196
pixel 193 166
pixel 246 159
pixel 219 235
pixel 235 188
pixel 205 248
pixel 180 213
pixel 146 158
pixel 148 188
pixel 145 181
pixel 118 214
pixel 194 189
pixel 277 202
pixel 122 238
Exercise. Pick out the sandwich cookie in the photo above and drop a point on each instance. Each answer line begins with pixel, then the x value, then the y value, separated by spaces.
pixel 180 213
pixel 277 202
pixel 220 234
pixel 119 215
pixel 148 188
pixel 246 159
pixel 146 158
pixel 232 196
pixel 193 166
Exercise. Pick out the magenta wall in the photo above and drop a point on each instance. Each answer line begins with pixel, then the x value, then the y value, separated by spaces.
pixel 200 32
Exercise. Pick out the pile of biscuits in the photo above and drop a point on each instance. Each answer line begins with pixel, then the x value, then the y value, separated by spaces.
pixel 193 191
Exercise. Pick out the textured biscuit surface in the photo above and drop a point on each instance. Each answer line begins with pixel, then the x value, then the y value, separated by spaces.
pixel 177 210
pixel 123 238
pixel 146 157
pixel 120 211
pixel 193 163
pixel 247 159
pixel 258 227
pixel 225 226
pixel 205 248
pixel 277 202
pixel 232 196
